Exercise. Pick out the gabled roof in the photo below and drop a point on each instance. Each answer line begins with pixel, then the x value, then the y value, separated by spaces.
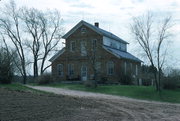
pixel 116 52
pixel 57 55
pixel 121 54
pixel 96 29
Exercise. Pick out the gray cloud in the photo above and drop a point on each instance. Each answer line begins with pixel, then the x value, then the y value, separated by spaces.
pixel 81 5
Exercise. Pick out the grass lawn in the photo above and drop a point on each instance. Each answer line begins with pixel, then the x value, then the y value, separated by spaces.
pixel 21 87
pixel 138 92
pixel 15 86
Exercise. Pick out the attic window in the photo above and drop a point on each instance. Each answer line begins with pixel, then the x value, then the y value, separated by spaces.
pixel 83 30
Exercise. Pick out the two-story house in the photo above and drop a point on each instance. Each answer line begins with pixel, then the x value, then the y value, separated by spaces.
pixel 93 52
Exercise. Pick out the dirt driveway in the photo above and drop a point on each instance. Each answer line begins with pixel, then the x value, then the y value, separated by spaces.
pixel 122 108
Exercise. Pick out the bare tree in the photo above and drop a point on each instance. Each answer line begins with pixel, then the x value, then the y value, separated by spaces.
pixel 33 23
pixel 45 33
pixel 10 26
pixel 151 39
pixel 93 58
pixel 163 34
pixel 52 33
pixel 40 31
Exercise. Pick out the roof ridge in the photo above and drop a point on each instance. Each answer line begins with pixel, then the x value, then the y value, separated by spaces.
pixel 122 54
pixel 57 54
pixel 97 29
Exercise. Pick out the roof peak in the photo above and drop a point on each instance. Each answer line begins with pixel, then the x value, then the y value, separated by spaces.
pixel 96 29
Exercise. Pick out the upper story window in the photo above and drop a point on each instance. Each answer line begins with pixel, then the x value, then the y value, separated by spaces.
pixel 136 69
pixel 94 43
pixel 60 69
pixel 131 66
pixel 98 66
pixel 123 47
pixel 110 68
pixel 113 45
pixel 83 30
pixel 83 48
pixel 125 66
pixel 72 46
pixel 119 47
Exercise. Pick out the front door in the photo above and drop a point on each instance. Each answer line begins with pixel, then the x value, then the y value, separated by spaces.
pixel 83 73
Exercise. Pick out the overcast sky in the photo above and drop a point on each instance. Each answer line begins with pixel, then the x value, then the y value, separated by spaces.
pixel 113 15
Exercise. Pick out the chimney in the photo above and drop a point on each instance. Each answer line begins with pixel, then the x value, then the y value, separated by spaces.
pixel 96 24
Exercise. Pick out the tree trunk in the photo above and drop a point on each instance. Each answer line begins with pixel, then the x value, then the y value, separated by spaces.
pixel 42 66
pixel 35 67
pixel 159 79
pixel 24 77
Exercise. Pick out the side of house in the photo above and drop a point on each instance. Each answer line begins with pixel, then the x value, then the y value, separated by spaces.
pixel 89 49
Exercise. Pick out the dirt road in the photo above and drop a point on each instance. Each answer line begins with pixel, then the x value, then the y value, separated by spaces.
pixel 80 106
pixel 125 108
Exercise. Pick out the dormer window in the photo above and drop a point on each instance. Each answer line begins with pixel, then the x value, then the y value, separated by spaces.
pixel 83 30
pixel 113 45
pixel 119 47
pixel 123 47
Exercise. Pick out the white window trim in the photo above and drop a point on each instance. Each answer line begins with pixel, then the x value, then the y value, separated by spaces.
pixel 70 68
pixel 82 71
pixel 108 63
pixel 125 67
pixel 83 30
pixel 58 69
pixel 136 69
pixel 131 67
pixel 94 43
pixel 83 48
pixel 71 46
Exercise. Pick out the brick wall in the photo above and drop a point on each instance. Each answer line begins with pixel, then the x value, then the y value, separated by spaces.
pixel 101 56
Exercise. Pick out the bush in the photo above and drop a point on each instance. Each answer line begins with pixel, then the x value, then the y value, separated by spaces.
pixel 146 82
pixel 90 83
pixel 6 66
pixel 103 80
pixel 170 82
pixel 6 79
pixel 126 80
pixel 44 79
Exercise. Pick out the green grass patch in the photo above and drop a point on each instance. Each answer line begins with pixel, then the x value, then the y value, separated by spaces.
pixel 21 87
pixel 137 92
pixel 15 86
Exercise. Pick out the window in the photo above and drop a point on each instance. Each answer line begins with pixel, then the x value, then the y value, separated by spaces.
pixel 70 69
pixel 125 64
pixel 83 30
pixel 72 46
pixel 110 68
pixel 60 69
pixel 113 45
pixel 94 43
pixel 98 66
pixel 136 69
pixel 83 71
pixel 123 47
pixel 119 46
pixel 83 48
pixel 131 66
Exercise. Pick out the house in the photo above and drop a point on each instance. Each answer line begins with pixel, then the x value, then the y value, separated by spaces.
pixel 91 52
